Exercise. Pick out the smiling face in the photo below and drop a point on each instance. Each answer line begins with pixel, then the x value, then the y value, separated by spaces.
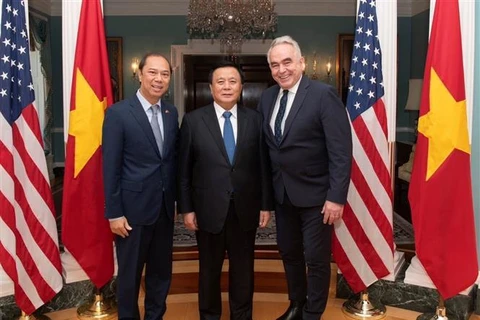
pixel 226 87
pixel 286 65
pixel 154 78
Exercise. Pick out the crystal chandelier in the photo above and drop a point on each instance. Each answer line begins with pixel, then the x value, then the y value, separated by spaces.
pixel 231 21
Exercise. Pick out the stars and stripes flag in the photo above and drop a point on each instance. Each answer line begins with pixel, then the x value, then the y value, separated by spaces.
pixel 28 239
pixel 363 242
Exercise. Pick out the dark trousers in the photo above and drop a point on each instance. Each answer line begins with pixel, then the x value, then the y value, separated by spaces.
pixel 304 242
pixel 239 245
pixel 151 246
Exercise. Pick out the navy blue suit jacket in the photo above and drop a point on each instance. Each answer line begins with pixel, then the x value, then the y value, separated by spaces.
pixel 138 180
pixel 312 163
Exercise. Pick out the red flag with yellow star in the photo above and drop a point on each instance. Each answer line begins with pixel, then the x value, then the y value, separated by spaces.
pixel 440 188
pixel 85 232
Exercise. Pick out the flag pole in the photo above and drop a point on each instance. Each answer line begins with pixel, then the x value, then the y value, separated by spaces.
pixel 363 307
pixel 440 314
pixel 100 308
pixel 24 316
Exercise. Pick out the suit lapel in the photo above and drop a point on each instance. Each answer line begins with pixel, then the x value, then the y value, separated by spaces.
pixel 242 129
pixel 142 119
pixel 297 105
pixel 273 100
pixel 167 124
pixel 211 121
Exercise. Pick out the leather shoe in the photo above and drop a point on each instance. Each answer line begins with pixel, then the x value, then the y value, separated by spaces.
pixel 294 311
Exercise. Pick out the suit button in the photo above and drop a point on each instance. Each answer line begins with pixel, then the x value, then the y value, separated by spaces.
pixel 233 170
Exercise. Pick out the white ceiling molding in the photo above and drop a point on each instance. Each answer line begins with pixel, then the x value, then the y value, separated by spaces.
pixel 406 8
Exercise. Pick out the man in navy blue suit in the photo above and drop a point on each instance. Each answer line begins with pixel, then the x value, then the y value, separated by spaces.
pixel 308 135
pixel 139 167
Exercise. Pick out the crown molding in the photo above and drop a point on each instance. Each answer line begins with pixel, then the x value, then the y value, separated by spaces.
pixel 406 8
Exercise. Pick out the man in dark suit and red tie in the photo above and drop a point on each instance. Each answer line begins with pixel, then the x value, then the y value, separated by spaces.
pixel 307 131
pixel 224 191
pixel 139 167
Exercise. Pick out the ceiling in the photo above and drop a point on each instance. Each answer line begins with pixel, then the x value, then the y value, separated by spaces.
pixel 406 8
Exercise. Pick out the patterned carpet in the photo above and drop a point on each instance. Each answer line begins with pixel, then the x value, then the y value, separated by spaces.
pixel 403 233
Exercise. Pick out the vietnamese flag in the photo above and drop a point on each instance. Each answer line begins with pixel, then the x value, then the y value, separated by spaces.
pixel 440 188
pixel 85 232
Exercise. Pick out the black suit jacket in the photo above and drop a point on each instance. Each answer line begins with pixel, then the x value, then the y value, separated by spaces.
pixel 312 163
pixel 138 180
pixel 206 177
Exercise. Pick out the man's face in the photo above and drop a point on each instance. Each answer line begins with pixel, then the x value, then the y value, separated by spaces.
pixel 154 78
pixel 226 87
pixel 286 66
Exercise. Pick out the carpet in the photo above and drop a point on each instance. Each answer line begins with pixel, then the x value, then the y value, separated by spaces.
pixel 402 232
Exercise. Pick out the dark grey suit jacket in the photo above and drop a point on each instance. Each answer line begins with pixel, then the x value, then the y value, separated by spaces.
pixel 313 161
pixel 207 180
pixel 137 178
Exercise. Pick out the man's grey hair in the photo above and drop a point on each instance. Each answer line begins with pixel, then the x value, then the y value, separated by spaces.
pixel 281 40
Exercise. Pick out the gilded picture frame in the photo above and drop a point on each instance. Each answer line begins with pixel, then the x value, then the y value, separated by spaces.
pixel 115 61
pixel 344 60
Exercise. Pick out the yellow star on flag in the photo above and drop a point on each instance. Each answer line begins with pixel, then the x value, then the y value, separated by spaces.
pixel 445 125
pixel 86 122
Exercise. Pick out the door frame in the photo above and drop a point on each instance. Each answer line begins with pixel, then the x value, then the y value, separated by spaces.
pixel 203 47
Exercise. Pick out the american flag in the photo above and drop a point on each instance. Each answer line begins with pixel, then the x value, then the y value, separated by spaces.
pixel 363 241
pixel 28 239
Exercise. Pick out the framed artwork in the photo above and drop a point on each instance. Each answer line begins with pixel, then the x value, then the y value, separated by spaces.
pixel 115 61
pixel 344 59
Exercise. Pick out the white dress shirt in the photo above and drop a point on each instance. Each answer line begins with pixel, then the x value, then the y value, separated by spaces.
pixel 148 110
pixel 291 96
pixel 221 120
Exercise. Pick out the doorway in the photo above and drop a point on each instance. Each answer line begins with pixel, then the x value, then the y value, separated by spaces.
pixel 197 88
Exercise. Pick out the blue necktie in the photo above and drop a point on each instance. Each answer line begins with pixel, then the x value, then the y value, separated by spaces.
pixel 156 128
pixel 228 137
pixel 280 115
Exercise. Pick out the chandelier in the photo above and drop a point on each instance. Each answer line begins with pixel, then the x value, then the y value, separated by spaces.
pixel 231 21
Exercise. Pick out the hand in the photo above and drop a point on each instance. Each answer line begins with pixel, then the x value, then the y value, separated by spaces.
pixel 190 221
pixel 120 227
pixel 332 212
pixel 264 218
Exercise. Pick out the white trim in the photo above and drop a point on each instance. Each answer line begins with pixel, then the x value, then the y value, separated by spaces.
pixel 70 19
pixel 203 47
pixel 467 26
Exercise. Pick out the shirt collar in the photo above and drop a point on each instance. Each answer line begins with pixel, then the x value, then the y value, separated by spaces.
pixel 145 104
pixel 293 89
pixel 219 110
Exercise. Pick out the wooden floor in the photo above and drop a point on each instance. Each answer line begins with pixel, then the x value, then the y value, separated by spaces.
pixel 267 306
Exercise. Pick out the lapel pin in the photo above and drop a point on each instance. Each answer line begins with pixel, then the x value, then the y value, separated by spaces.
pixel 167 111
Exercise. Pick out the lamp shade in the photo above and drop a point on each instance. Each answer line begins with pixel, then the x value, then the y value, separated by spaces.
pixel 414 94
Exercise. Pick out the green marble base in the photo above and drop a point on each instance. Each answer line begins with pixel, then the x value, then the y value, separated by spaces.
pixel 72 295
pixel 406 296
pixel 431 316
